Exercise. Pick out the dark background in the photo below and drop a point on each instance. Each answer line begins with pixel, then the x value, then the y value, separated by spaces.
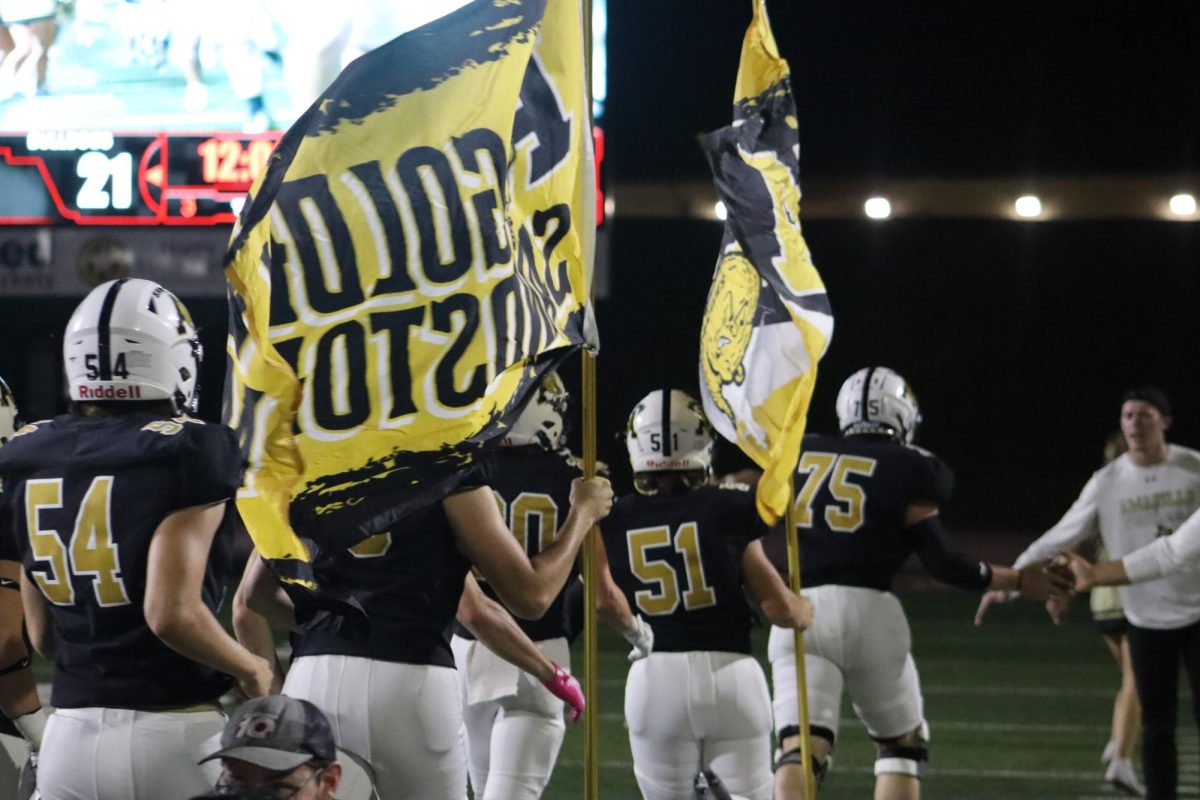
pixel 1017 337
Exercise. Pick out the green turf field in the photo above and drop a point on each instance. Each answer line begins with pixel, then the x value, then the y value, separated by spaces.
pixel 1018 709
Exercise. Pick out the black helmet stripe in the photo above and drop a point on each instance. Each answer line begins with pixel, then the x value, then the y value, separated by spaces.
pixel 866 414
pixel 666 422
pixel 103 336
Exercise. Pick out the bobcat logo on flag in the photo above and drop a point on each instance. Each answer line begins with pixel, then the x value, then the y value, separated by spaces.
pixel 416 256
pixel 768 320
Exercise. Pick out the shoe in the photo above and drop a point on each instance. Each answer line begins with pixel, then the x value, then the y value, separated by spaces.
pixel 1110 750
pixel 1121 775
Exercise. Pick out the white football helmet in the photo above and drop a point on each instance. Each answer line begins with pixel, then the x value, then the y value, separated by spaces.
pixel 669 436
pixel 543 421
pixel 876 400
pixel 8 413
pixel 131 339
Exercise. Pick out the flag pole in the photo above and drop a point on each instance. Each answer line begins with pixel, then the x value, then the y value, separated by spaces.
pixel 591 685
pixel 793 554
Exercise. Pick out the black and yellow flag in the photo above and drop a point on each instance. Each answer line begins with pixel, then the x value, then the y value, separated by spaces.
pixel 416 256
pixel 768 319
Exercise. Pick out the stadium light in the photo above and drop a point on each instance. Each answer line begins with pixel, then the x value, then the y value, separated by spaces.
pixel 1183 205
pixel 719 210
pixel 878 208
pixel 1028 206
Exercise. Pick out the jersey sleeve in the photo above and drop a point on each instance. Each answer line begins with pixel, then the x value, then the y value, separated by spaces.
pixel 209 464
pixel 929 478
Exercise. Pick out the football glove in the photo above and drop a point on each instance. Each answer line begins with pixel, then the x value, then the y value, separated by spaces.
pixel 564 686
pixel 640 636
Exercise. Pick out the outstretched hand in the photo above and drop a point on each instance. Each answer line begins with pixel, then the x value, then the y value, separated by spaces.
pixel 987 601
pixel 1044 579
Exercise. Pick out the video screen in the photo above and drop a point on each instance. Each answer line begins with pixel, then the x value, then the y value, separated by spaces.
pixel 184 65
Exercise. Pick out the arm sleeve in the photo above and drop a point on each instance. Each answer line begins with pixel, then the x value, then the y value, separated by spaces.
pixel 1167 555
pixel 943 560
pixel 1078 524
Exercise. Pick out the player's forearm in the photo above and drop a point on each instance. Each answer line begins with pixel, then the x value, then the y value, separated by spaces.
pixel 499 632
pixel 253 632
pixel 18 693
pixel 191 630
pixel 1110 573
pixel 550 568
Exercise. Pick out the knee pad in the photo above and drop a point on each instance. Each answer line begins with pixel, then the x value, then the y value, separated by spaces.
pixel 794 757
pixel 903 755
pixel 819 731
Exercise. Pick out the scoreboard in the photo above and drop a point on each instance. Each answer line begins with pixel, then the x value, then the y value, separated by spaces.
pixel 79 177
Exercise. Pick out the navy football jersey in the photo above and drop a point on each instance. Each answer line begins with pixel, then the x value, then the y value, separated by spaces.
pixel 408 581
pixel 533 488
pixel 677 559
pixel 851 495
pixel 86 496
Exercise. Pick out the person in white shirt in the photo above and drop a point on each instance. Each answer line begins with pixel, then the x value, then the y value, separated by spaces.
pixel 1137 499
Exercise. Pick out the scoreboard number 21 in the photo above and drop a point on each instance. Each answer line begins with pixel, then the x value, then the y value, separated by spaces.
pixel 99 171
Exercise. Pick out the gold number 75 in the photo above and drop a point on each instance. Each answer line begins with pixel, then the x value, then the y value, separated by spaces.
pixel 845 515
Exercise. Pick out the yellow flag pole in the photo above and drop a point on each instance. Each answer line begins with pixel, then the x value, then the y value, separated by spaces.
pixel 591 685
pixel 793 553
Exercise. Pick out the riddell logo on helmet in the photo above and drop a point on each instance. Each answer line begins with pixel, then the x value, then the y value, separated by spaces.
pixel 109 392
pixel 668 464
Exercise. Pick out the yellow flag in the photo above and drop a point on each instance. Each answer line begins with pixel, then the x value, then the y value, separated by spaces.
pixel 416 256
pixel 768 320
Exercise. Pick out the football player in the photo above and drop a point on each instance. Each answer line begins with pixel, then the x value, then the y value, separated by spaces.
pixel 23 720
pixel 411 582
pixel 865 501
pixel 121 507
pixel 684 553
pixel 514 726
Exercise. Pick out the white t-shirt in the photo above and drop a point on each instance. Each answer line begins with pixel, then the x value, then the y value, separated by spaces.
pixel 1132 507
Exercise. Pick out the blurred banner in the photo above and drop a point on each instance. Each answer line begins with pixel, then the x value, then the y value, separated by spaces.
pixel 768 320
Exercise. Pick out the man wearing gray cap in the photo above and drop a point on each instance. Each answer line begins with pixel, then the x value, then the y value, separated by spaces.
pixel 278 747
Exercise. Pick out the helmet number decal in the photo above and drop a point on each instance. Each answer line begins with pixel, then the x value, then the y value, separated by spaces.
pixel 845 513
pixel 664 599
pixel 91 363
pixel 91 551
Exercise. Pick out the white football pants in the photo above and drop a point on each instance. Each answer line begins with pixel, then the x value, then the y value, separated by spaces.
pixel 121 754
pixel 860 643
pixel 402 719
pixel 512 741
pixel 687 711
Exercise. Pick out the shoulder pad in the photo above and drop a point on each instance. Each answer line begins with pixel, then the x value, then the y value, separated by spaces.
pixel 734 486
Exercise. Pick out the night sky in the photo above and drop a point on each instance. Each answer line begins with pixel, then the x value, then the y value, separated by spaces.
pixel 1018 337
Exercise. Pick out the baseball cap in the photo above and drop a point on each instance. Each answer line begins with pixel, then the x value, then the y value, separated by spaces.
pixel 1149 394
pixel 276 733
